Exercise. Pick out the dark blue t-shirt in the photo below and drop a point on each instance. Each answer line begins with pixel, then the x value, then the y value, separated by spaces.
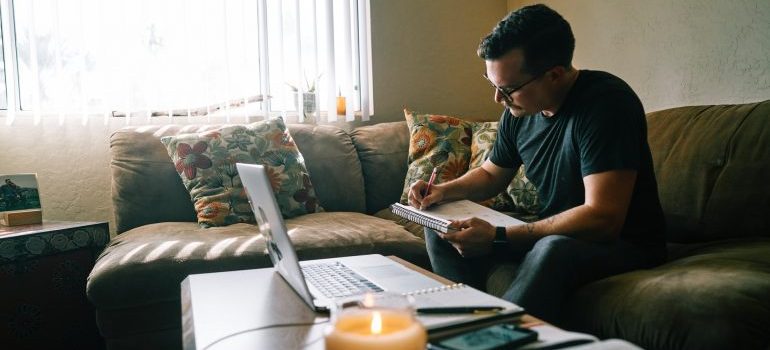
pixel 601 126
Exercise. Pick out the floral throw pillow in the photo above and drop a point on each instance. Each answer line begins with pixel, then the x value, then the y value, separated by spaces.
pixel 484 135
pixel 436 141
pixel 206 163
pixel 521 194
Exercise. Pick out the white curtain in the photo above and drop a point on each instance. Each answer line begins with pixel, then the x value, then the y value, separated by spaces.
pixel 187 58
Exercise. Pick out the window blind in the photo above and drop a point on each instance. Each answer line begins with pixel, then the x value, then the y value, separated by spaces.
pixel 189 59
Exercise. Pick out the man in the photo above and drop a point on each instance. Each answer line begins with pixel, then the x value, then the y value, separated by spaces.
pixel 11 193
pixel 582 137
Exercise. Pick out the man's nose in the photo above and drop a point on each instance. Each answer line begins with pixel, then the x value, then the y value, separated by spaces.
pixel 499 96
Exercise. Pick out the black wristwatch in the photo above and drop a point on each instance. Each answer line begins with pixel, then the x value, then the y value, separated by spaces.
pixel 501 239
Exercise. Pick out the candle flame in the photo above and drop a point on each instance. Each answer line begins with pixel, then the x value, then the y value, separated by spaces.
pixel 376 323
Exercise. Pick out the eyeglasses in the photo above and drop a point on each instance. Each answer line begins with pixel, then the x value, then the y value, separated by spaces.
pixel 507 92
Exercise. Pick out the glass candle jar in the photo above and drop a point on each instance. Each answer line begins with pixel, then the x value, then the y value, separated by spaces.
pixel 374 322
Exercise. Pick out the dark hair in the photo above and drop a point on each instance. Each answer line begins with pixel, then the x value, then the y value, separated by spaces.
pixel 544 36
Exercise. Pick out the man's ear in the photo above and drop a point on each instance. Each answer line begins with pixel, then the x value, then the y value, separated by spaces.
pixel 556 74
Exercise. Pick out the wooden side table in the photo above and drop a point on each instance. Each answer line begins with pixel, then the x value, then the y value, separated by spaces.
pixel 43 272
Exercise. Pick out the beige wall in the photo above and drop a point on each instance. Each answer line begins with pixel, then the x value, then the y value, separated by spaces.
pixel 423 57
pixel 675 52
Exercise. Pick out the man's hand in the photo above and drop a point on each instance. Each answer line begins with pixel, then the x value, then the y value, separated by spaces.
pixel 474 237
pixel 416 195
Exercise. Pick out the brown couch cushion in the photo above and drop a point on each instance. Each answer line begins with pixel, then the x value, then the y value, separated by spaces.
pixel 713 297
pixel 382 149
pixel 711 163
pixel 142 172
pixel 333 164
pixel 140 271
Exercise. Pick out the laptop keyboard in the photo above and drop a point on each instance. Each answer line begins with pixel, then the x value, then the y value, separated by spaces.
pixel 336 280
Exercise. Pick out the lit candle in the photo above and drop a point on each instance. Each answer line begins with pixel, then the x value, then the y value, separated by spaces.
pixel 376 329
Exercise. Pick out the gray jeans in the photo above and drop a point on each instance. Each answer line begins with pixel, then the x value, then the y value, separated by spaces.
pixel 548 272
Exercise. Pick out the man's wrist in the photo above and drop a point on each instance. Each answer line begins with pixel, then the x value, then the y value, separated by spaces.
pixel 500 241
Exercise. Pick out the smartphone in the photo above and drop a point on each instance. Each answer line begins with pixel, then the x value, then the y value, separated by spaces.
pixel 495 337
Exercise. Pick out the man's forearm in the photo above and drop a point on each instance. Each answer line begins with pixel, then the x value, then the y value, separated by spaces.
pixel 475 185
pixel 582 222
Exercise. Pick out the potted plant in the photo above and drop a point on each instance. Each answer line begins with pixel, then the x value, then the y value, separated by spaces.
pixel 309 99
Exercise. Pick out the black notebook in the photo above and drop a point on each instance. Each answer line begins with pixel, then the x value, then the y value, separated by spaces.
pixel 438 216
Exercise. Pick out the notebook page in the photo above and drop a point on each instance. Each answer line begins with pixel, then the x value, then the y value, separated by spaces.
pixel 457 295
pixel 465 209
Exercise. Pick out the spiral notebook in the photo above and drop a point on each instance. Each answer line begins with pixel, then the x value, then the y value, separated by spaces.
pixel 438 217
pixel 461 295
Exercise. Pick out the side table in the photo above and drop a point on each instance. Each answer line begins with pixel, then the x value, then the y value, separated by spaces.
pixel 43 271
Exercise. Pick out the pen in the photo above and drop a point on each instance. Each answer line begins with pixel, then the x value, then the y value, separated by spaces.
pixel 430 182
pixel 458 310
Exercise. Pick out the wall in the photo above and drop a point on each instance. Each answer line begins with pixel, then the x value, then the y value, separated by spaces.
pixel 423 56
pixel 675 52
pixel 71 161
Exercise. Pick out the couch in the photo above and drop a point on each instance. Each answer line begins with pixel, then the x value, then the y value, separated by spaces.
pixel 712 165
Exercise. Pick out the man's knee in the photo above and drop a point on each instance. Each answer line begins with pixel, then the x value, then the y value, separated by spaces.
pixel 554 247
pixel 431 237
pixel 433 241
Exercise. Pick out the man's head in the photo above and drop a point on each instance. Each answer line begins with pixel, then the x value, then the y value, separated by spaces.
pixel 529 58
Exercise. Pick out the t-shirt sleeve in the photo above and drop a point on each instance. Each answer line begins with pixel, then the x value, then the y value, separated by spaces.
pixel 504 153
pixel 610 135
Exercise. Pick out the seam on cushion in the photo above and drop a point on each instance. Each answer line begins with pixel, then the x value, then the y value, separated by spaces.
pixel 709 190
pixel 728 147
pixel 679 140
pixel 731 141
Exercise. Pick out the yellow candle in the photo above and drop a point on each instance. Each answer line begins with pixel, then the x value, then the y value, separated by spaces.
pixel 341 107
pixel 376 329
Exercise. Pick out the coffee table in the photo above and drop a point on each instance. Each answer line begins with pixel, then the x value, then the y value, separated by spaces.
pixel 227 310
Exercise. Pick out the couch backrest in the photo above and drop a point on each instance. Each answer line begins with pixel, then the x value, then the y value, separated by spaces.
pixel 382 149
pixel 712 164
pixel 147 189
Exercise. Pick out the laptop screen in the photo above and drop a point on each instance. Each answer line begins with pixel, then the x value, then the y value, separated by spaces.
pixel 271 225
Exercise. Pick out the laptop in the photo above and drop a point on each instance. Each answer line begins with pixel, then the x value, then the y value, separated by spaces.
pixel 321 282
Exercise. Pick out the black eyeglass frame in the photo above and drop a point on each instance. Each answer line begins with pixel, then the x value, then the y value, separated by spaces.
pixel 510 91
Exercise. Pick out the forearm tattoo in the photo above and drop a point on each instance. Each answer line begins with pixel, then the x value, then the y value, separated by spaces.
pixel 530 228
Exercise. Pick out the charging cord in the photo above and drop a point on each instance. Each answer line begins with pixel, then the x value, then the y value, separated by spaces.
pixel 280 325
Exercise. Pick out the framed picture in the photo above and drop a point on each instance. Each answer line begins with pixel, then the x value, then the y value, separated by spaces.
pixel 19 192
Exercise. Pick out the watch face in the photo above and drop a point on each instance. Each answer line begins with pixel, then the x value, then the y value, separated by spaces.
pixel 500 236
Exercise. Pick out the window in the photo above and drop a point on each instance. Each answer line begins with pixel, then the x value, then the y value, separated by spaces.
pixel 3 94
pixel 186 57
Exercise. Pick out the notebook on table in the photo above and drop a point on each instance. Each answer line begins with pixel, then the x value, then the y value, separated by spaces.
pixel 439 325
pixel 322 282
pixel 438 217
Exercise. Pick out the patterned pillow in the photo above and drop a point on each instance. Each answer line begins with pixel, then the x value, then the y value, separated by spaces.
pixel 484 135
pixel 521 194
pixel 206 163
pixel 436 140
